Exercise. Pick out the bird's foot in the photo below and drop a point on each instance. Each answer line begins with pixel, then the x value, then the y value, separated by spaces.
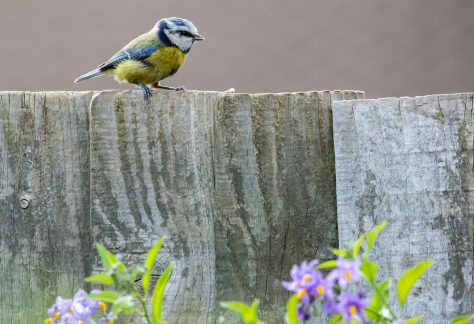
pixel 172 88
pixel 146 92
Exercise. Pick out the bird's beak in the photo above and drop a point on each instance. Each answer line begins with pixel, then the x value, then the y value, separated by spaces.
pixel 198 37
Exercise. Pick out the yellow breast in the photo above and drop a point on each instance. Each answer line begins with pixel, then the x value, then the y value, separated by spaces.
pixel 167 61
pixel 161 64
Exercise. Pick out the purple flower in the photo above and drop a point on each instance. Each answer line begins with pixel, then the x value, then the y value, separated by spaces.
pixel 351 306
pixel 305 278
pixel 83 308
pixel 80 309
pixel 109 319
pixel 303 313
pixel 347 271
pixel 323 289
pixel 59 308
pixel 330 307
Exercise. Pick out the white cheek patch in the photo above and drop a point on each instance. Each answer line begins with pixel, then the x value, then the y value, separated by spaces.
pixel 184 43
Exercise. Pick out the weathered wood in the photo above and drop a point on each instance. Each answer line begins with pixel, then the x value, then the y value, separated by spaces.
pixel 152 176
pixel 44 161
pixel 410 161
pixel 275 194
pixel 243 185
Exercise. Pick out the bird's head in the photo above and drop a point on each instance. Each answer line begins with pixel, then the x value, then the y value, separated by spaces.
pixel 177 32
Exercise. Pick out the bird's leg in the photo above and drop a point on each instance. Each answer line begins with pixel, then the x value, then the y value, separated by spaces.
pixel 158 86
pixel 146 92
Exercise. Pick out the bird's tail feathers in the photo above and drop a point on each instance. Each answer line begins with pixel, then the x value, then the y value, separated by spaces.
pixel 89 75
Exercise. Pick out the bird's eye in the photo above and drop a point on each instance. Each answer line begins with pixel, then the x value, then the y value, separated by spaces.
pixel 185 33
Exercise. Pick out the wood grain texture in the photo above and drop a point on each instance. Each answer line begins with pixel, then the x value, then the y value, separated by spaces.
pixel 243 185
pixel 152 176
pixel 274 192
pixel 410 161
pixel 45 248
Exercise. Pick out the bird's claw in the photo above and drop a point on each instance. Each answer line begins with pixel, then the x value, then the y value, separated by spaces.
pixel 182 88
pixel 146 92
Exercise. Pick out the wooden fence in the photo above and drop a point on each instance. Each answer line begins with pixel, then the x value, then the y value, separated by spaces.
pixel 410 161
pixel 243 186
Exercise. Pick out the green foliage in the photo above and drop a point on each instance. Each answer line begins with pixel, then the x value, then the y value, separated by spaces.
pixel 158 293
pixel 357 245
pixel 338 252
pixel 149 262
pixel 378 303
pixel 379 311
pixel 335 319
pixel 327 265
pixel 137 272
pixel 369 270
pixel 105 296
pixel 109 260
pixel 125 297
pixel 462 319
pixel 409 278
pixel 372 235
pixel 101 278
pixel 292 310
pixel 248 313
pixel 123 304
pixel 413 320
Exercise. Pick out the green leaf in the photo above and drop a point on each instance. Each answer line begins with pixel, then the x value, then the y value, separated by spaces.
pixel 149 262
pixel 335 319
pixel 108 258
pixel 373 314
pixel 254 309
pixel 339 252
pixel 464 319
pixel 236 307
pixel 384 290
pixel 413 320
pixel 357 245
pixel 292 310
pixel 378 302
pixel 249 314
pixel 327 265
pixel 369 270
pixel 372 235
pixel 105 296
pixel 101 278
pixel 408 279
pixel 158 293
pixel 123 304
pixel 137 271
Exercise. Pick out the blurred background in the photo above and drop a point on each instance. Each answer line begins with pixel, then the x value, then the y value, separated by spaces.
pixel 384 47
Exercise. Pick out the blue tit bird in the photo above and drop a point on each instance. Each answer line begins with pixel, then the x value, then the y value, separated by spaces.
pixel 151 57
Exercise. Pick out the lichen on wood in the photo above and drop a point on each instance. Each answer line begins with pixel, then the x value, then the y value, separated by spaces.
pixel 410 161
pixel 242 185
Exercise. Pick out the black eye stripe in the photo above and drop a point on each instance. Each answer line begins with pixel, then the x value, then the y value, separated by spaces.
pixel 185 33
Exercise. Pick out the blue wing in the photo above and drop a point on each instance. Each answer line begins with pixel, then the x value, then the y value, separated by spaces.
pixel 138 49
pixel 136 54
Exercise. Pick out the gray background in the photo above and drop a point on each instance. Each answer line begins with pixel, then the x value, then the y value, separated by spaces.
pixel 385 47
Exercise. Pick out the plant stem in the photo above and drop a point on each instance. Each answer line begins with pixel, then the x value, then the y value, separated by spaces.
pixel 380 317
pixel 377 291
pixel 142 302
pixel 145 309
